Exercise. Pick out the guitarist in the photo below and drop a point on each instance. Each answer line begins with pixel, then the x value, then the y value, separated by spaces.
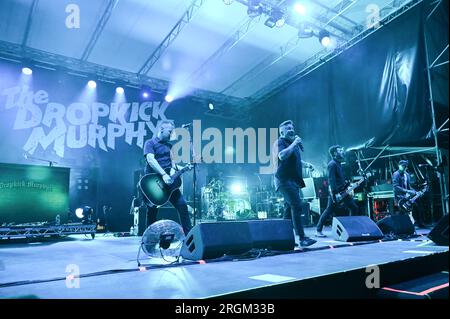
pixel 403 190
pixel 157 152
pixel 337 183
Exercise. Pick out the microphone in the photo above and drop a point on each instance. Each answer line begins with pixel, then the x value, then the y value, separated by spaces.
pixel 186 125
pixel 299 144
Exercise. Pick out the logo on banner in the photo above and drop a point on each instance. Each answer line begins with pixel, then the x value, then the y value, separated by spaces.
pixel 99 125
pixel 78 124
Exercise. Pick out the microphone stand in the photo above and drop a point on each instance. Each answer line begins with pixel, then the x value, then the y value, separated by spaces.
pixel 50 163
pixel 194 174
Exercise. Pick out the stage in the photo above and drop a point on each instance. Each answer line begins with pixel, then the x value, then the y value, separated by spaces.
pixel 107 269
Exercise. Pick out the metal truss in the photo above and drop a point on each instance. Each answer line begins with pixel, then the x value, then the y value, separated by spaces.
pixel 323 57
pixel 15 52
pixel 227 46
pixel 98 30
pixel 173 34
pixel 44 231
pixel 430 68
pixel 29 22
pixel 289 47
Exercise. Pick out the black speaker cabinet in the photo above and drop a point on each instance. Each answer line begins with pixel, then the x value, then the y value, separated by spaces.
pixel 397 225
pixel 213 240
pixel 439 234
pixel 275 234
pixel 355 228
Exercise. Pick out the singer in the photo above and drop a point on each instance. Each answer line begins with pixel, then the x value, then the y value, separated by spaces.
pixel 289 177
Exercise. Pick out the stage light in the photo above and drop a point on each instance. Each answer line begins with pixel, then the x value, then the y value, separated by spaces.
pixel 276 19
pixel 79 213
pixel 85 214
pixel 300 8
pixel 324 38
pixel 168 98
pixel 27 71
pixel 211 106
pixel 119 90
pixel 145 95
pixel 305 31
pixel 236 188
pixel 254 8
pixel 228 2
pixel 92 84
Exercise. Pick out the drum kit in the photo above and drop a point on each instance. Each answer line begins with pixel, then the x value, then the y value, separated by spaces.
pixel 221 202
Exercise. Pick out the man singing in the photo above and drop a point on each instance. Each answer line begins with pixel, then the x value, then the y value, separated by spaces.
pixel 157 152
pixel 337 183
pixel 288 176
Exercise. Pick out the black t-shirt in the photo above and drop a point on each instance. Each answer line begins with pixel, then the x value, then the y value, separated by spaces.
pixel 336 177
pixel 289 170
pixel 162 153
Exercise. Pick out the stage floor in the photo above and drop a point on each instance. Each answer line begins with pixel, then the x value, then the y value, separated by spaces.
pixel 108 268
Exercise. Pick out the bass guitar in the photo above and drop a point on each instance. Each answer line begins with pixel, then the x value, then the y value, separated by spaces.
pixel 156 191
pixel 339 196
pixel 406 204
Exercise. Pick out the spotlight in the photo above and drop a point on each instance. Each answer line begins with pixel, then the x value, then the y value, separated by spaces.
pixel 146 91
pixel 92 84
pixel 276 19
pixel 305 31
pixel 79 213
pixel 228 2
pixel 254 8
pixel 119 90
pixel 300 8
pixel 27 71
pixel 324 38
pixel 211 106
pixel 236 188
pixel 168 98
pixel 85 214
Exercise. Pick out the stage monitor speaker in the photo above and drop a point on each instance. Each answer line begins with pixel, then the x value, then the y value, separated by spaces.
pixel 213 240
pixel 275 234
pixel 355 228
pixel 397 225
pixel 439 234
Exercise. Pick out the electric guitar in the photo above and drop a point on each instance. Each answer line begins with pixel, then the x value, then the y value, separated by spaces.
pixel 339 196
pixel 156 191
pixel 406 203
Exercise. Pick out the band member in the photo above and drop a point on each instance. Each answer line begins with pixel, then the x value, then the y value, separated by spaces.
pixel 402 190
pixel 336 182
pixel 288 176
pixel 157 152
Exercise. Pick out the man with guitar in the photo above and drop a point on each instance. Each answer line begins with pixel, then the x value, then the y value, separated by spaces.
pixel 404 194
pixel 159 167
pixel 339 193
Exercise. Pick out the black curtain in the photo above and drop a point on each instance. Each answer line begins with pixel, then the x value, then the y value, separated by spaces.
pixel 374 93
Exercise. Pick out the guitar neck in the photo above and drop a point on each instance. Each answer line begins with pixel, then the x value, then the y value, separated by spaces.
pixel 178 173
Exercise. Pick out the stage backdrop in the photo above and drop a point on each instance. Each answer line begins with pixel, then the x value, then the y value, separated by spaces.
pixel 375 93
pixel 53 118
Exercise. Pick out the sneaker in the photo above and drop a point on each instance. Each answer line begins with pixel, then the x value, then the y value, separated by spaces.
pixel 320 234
pixel 305 242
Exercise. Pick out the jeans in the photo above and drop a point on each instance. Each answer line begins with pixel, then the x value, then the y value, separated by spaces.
pixel 293 206
pixel 177 200
pixel 331 207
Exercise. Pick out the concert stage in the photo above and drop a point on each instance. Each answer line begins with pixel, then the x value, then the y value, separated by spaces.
pixel 108 270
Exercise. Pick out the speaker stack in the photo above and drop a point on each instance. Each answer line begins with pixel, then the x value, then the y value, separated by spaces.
pixel 216 239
